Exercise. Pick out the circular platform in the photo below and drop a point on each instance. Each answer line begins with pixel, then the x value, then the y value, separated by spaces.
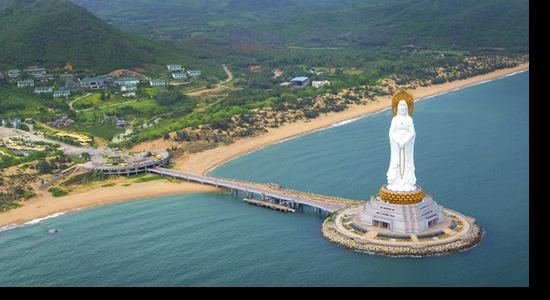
pixel 458 233
pixel 122 163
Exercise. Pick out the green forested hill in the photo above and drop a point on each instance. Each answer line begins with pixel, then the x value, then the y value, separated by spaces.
pixel 424 23
pixel 121 34
pixel 56 33
pixel 326 23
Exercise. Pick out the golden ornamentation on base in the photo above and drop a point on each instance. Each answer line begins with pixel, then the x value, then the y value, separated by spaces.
pixel 401 197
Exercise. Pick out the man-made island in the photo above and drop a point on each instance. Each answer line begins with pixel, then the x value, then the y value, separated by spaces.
pixel 96 194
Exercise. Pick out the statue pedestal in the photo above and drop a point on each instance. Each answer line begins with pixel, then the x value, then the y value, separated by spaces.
pixel 404 212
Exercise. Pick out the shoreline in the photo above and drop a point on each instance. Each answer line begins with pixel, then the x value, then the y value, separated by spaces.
pixel 45 205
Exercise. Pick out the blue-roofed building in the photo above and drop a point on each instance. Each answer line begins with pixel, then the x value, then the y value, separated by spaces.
pixel 36 71
pixel 66 76
pixel 92 82
pixel 299 82
pixel 13 73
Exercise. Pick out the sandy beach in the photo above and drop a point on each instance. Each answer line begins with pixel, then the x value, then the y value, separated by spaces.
pixel 200 163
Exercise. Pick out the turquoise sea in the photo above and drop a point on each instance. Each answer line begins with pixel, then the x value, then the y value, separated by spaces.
pixel 471 155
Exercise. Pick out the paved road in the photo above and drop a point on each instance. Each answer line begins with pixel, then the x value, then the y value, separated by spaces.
pixel 71 103
pixel 229 75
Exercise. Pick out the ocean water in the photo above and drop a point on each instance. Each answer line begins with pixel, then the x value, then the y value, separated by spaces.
pixel 471 155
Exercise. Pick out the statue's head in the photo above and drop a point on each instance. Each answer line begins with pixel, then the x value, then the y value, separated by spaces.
pixel 402 108
pixel 402 96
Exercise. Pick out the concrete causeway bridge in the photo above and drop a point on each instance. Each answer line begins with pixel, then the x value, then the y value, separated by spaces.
pixel 270 196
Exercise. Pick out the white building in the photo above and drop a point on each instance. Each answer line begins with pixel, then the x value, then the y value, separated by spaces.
pixel 179 75
pixel 174 68
pixel 194 73
pixel 157 82
pixel 61 93
pixel 320 83
pixel 128 88
pixel 127 81
pixel 42 89
pixel 25 83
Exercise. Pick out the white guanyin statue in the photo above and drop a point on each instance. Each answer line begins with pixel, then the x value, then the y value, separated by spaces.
pixel 402 134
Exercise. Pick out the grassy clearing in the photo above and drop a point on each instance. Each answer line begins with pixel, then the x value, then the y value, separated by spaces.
pixel 151 178
pixel 57 192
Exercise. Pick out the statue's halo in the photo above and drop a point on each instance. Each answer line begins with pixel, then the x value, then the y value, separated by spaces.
pixel 402 95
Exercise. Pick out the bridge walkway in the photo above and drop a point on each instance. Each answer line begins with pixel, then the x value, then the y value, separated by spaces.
pixel 289 197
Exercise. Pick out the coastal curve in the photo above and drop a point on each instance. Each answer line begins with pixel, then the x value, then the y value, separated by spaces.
pixel 45 204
